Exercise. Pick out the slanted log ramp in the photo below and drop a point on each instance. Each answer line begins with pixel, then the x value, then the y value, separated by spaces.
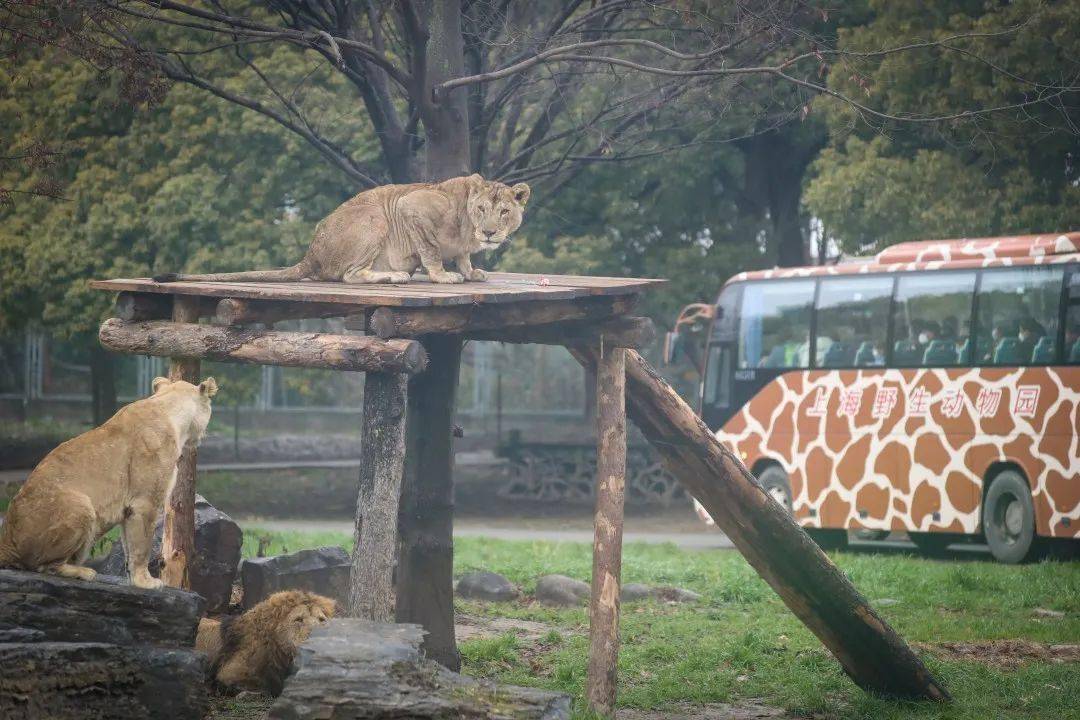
pixel 409 342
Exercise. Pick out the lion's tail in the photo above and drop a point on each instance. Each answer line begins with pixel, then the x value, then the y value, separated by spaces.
pixel 299 271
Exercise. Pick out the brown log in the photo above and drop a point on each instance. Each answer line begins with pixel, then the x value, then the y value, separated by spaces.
pixel 178 534
pixel 264 347
pixel 607 531
pixel 425 579
pixel 389 322
pixel 143 306
pixel 624 332
pixel 382 460
pixel 236 311
pixel 804 577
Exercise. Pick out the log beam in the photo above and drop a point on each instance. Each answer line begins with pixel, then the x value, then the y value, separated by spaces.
pixel 135 306
pixel 623 332
pixel 178 534
pixel 237 311
pixel 804 577
pixel 607 531
pixel 387 322
pixel 264 347
pixel 382 460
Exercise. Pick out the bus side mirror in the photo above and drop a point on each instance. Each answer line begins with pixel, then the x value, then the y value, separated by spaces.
pixel 672 347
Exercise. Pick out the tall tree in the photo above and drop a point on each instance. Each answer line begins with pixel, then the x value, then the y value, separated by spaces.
pixel 517 90
pixel 1015 171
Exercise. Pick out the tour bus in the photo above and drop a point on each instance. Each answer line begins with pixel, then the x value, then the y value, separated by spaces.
pixel 933 389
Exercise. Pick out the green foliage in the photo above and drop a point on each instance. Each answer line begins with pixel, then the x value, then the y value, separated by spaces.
pixel 194 184
pixel 1014 171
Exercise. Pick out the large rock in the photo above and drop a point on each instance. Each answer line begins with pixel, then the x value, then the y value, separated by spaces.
pixel 353 668
pixel 103 649
pixel 212 571
pixel 634 592
pixel 324 571
pixel 60 680
pixel 106 610
pixel 561 591
pixel 489 586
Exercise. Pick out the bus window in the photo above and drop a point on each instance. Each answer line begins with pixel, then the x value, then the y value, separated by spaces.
pixel 852 322
pixel 1018 316
pixel 717 391
pixel 932 318
pixel 1072 321
pixel 774 324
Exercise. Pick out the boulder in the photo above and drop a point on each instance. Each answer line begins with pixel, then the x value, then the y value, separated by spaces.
pixel 74 649
pixel 561 591
pixel 212 571
pixel 323 570
pixel 635 592
pixel 61 680
pixel 357 668
pixel 107 610
pixel 489 586
pixel 676 594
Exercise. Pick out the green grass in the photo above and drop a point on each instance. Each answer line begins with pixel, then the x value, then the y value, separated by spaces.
pixel 742 643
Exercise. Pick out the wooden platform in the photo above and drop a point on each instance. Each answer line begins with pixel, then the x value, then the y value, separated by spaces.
pixel 421 292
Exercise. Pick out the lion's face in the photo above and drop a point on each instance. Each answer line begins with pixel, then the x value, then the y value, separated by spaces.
pixel 495 211
pixel 311 610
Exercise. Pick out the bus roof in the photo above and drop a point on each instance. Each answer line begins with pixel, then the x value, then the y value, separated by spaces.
pixel 944 255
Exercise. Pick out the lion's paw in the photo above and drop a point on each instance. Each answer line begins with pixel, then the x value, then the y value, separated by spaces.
pixel 448 277
pixel 148 583
pixel 400 277
pixel 477 275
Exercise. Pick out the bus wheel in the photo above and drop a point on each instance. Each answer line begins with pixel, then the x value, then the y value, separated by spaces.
pixel 774 481
pixel 828 538
pixel 1009 519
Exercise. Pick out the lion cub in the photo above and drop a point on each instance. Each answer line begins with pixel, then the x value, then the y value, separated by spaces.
pixel 120 472
pixel 255 650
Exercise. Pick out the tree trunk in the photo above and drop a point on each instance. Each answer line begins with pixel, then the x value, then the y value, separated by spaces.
pixel 445 115
pixel 178 534
pixel 607 531
pixel 102 383
pixel 382 458
pixel 425 579
pixel 804 577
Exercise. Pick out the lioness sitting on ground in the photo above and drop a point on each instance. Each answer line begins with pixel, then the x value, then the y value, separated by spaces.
pixel 384 234
pixel 254 651
pixel 120 472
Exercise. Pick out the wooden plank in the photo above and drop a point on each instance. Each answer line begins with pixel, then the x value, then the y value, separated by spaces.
pixel 425 579
pixel 178 530
pixel 263 347
pixel 607 531
pixel 804 577
pixel 382 461
pixel 421 292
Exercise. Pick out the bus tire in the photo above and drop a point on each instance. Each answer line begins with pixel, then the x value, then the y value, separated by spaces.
pixel 1009 519
pixel 775 482
pixel 828 538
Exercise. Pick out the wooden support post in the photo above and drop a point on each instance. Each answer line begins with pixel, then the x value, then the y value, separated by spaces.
pixel 607 531
pixel 804 577
pixel 178 534
pixel 382 459
pixel 425 582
